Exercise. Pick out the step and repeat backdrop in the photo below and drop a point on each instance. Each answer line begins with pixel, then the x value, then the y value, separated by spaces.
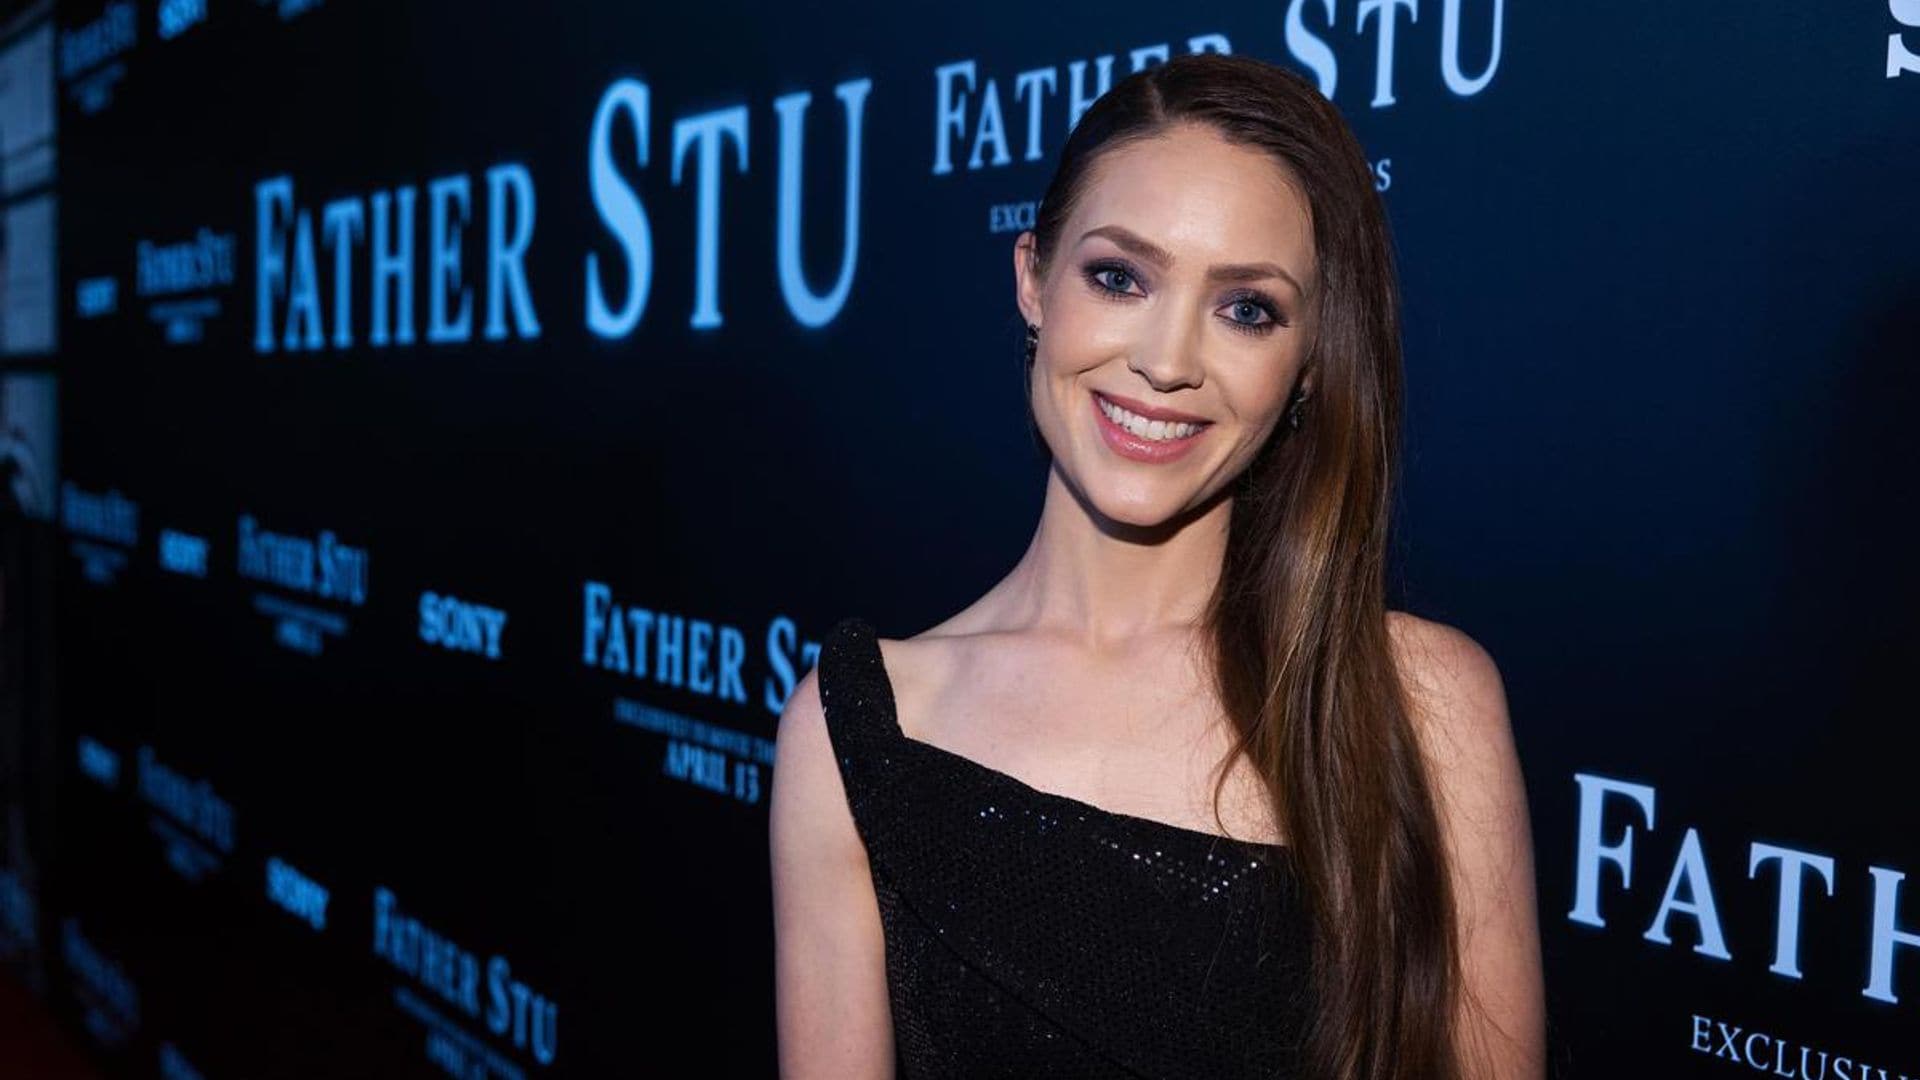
pixel 435 436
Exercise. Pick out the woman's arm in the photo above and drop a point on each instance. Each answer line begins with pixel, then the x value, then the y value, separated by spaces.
pixel 830 981
pixel 1460 711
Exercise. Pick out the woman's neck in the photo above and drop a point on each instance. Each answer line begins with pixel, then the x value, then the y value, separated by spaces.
pixel 1109 582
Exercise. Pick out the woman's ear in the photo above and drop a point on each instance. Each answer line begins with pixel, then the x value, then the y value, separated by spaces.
pixel 1026 278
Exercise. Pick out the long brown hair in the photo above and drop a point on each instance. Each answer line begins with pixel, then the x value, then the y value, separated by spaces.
pixel 1298 620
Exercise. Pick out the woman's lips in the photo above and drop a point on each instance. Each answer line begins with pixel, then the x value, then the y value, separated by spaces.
pixel 1136 447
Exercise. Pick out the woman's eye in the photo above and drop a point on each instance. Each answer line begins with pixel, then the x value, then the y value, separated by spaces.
pixel 1114 279
pixel 1245 315
pixel 1247 311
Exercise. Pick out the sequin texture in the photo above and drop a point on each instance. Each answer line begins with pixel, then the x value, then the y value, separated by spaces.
pixel 1030 934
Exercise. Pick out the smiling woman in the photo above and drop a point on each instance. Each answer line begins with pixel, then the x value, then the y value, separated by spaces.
pixel 1177 796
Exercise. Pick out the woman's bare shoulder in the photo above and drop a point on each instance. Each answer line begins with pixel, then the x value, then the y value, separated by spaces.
pixel 923 661
pixel 1457 702
pixel 1451 676
pixel 1459 707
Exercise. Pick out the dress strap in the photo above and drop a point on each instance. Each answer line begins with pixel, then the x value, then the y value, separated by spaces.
pixel 854 689
pixel 858 702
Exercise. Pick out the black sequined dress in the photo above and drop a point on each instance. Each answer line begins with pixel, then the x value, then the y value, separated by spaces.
pixel 1031 934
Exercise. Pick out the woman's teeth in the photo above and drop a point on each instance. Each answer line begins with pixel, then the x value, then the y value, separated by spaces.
pixel 1156 430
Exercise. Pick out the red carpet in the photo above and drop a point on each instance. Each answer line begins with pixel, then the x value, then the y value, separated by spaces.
pixel 32 1043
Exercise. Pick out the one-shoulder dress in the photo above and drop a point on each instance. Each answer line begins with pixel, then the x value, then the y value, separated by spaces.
pixel 1030 934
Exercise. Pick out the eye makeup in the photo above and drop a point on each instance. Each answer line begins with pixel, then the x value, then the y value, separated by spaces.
pixel 1099 273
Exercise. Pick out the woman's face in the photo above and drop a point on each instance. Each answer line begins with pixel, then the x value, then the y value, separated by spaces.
pixel 1174 293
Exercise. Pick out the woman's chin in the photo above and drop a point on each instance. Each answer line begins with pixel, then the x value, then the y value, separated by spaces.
pixel 1141 509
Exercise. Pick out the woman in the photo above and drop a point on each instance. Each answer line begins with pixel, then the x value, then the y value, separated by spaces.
pixel 1177 796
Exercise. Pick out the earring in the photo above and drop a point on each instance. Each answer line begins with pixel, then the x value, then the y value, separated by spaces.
pixel 1033 342
pixel 1294 408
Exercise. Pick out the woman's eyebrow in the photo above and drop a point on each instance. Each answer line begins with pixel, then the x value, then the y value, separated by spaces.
pixel 1136 244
